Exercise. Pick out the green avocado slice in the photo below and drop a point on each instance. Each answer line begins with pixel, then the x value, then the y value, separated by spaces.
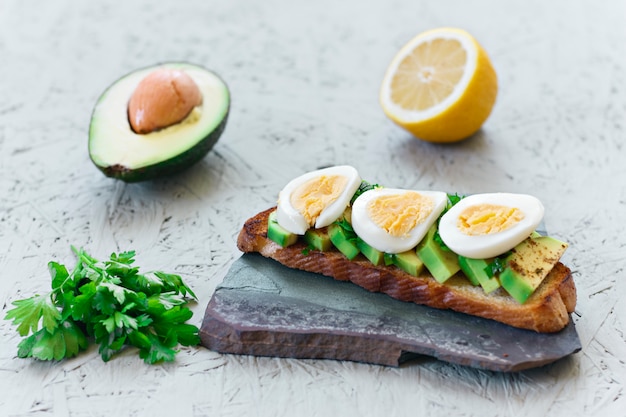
pixel 375 256
pixel 528 264
pixel 278 234
pixel 121 153
pixel 343 240
pixel 442 264
pixel 318 239
pixel 476 273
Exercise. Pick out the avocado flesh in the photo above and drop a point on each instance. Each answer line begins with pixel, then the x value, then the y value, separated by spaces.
pixel 528 264
pixel 442 264
pixel 343 240
pixel 121 153
pixel 408 261
pixel 318 239
pixel 278 234
pixel 374 255
pixel 475 271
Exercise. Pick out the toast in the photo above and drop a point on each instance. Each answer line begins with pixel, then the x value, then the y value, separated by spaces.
pixel 547 310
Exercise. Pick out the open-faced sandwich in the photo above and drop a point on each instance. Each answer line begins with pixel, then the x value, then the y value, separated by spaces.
pixel 480 255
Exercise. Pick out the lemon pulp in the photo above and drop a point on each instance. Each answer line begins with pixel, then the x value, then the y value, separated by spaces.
pixel 441 86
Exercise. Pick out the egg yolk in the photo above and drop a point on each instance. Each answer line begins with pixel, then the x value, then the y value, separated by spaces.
pixel 312 197
pixel 486 219
pixel 399 214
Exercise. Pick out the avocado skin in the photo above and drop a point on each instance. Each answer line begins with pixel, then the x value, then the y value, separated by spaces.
pixel 170 166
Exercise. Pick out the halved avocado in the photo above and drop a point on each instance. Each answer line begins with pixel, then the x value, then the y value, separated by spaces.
pixel 121 153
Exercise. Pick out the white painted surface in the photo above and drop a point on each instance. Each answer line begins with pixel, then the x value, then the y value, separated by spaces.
pixel 304 78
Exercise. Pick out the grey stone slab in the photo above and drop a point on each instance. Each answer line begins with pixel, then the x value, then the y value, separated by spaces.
pixel 263 308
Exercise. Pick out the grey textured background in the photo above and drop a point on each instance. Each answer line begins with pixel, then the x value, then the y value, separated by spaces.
pixel 304 78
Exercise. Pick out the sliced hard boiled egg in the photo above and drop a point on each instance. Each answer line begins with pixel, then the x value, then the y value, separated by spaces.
pixel 394 220
pixel 487 225
pixel 317 198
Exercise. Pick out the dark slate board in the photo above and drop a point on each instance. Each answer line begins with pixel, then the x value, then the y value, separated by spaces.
pixel 263 308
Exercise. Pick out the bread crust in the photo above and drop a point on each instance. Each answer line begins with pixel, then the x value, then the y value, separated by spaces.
pixel 546 311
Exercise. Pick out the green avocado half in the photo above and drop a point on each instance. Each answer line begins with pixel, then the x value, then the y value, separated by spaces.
pixel 121 153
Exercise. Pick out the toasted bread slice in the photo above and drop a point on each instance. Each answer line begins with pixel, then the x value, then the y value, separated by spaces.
pixel 547 310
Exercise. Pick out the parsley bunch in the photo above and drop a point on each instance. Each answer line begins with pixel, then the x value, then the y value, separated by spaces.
pixel 109 303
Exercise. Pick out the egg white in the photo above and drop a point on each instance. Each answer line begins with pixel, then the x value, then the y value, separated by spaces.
pixel 379 238
pixel 491 245
pixel 292 220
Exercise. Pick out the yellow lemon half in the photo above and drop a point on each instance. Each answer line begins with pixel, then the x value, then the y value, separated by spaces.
pixel 441 86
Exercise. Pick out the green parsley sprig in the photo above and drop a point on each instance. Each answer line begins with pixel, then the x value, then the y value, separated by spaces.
pixel 347 228
pixel 109 303
pixel 452 200
pixel 497 265
pixel 363 187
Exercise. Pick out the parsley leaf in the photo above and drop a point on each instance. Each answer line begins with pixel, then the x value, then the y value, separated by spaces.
pixel 158 351
pixel 452 200
pixel 345 225
pixel 496 266
pixel 363 187
pixel 109 303
pixel 28 313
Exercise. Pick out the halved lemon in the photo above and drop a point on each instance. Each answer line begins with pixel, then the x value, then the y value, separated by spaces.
pixel 441 86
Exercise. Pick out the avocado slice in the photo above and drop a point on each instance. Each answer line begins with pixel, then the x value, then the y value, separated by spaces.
pixel 278 234
pixel 441 263
pixel 528 264
pixel 318 239
pixel 408 261
pixel 121 153
pixel 374 255
pixel 344 240
pixel 476 272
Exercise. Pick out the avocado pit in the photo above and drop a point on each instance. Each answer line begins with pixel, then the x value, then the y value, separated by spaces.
pixel 163 98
